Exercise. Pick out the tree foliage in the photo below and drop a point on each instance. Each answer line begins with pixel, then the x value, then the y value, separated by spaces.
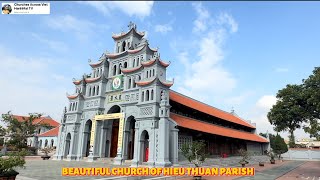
pixel 195 152
pixel 19 131
pixel 298 104
pixel 312 96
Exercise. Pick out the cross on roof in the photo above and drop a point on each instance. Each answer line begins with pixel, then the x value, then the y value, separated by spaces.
pixel 131 25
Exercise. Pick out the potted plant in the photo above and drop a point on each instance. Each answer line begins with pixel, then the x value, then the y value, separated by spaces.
pixel 245 156
pixel 46 151
pixel 7 165
pixel 195 153
pixel 261 163
pixel 272 156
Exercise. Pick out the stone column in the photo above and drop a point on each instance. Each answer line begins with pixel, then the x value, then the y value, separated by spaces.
pixel 71 155
pixel 137 149
pixel 80 142
pixel 163 145
pixel 59 149
pixel 125 144
pixel 93 154
pixel 152 149
pixel 119 159
pixel 174 147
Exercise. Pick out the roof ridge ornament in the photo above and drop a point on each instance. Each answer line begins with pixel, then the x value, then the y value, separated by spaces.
pixel 131 25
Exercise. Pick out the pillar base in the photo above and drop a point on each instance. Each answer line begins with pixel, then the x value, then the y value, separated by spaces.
pixel 118 161
pixel 57 157
pixel 163 164
pixel 71 157
pixel 134 163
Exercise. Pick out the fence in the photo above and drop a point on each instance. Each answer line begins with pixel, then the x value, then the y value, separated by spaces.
pixel 302 154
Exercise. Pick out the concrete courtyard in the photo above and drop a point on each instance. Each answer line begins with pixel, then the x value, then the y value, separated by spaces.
pixel 46 170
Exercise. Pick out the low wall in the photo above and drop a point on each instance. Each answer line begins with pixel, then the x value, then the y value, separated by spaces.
pixel 302 154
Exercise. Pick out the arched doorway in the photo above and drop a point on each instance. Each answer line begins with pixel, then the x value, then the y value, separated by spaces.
pixel 67 145
pixel 144 145
pixel 114 132
pixel 130 128
pixel 87 136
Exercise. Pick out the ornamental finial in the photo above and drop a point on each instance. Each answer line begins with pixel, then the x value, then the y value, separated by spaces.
pixel 89 60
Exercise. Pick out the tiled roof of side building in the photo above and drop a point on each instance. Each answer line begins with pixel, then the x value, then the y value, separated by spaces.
pixel 194 124
pixel 51 132
pixel 202 107
pixel 41 120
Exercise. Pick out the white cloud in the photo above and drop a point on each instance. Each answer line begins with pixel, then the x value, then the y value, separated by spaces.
pixel 225 18
pixel 258 113
pixel 205 73
pixel 83 29
pixel 281 70
pixel 55 45
pixel 266 102
pixel 131 8
pixel 203 15
pixel 238 100
pixel 163 28
pixel 31 85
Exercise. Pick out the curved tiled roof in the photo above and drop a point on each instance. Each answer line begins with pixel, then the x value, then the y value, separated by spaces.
pixel 152 61
pixel 194 124
pixel 130 70
pixel 118 36
pixel 194 104
pixel 50 133
pixel 89 80
pixel 166 83
pixel 148 63
pixel 146 82
pixel 73 96
pixel 77 82
pixel 164 64
pixel 96 64
pixel 41 120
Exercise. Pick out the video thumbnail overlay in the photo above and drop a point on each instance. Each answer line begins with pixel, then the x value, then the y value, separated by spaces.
pixel 145 171
pixel 26 8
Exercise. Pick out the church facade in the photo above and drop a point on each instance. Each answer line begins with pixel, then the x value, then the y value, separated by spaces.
pixel 124 109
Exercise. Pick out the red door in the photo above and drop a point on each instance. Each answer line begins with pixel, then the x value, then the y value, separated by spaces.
pixel 147 154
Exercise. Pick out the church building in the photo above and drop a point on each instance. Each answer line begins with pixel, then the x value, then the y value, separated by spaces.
pixel 125 110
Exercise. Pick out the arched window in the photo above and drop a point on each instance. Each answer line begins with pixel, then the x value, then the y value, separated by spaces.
pixel 123 46
pixel 89 91
pixel 142 96
pixel 46 143
pixel 147 95
pixel 94 91
pixel 114 70
pixel 125 65
pixel 101 71
pixel 70 106
pixel 52 142
pixel 152 94
pixel 153 72
pixel 76 106
pixel 98 90
pixel 133 83
pixel 119 69
pixel 138 61
pixel 147 74
pixel 129 84
pixel 134 62
pixel 40 144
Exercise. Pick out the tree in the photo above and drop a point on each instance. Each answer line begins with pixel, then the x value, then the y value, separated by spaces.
pixel 279 146
pixel 312 95
pixel 19 131
pixel 289 111
pixel 195 152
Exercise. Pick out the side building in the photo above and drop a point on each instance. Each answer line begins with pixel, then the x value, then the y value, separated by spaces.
pixel 124 109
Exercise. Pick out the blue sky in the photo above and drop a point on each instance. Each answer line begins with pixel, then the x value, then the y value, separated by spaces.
pixel 227 54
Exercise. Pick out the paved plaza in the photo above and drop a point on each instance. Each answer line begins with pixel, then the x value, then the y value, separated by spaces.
pixel 287 170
